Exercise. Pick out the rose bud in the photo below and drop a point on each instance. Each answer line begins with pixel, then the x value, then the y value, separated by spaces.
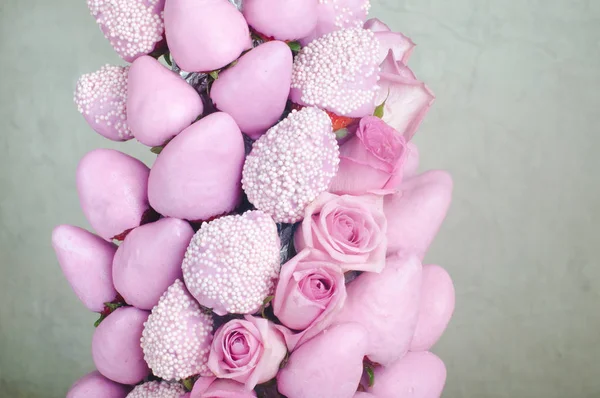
pixel 400 45
pixel 407 100
pixel 371 160
pixel 329 365
pixel 210 387
pixel 247 350
pixel 417 211
pixel 417 375
pixel 309 293
pixel 387 305
pixel 86 261
pixel 351 229
pixel 437 306
pixel 94 385
pixel 158 389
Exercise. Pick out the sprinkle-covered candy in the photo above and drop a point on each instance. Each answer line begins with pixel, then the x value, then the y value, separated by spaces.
pixel 158 389
pixel 338 14
pixel 177 336
pixel 338 73
pixel 232 263
pixel 101 98
pixel 133 27
pixel 291 165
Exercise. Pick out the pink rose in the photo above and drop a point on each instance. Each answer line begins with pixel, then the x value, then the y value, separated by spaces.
pixel 372 159
pixel 407 99
pixel 248 351
pixel 211 387
pixel 310 292
pixel 400 45
pixel 351 229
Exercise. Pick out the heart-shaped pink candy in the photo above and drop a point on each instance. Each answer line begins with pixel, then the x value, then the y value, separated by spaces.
pixel 437 306
pixel 86 262
pixel 160 104
pixel 112 190
pixel 254 91
pixel 205 35
pixel 198 174
pixel 282 20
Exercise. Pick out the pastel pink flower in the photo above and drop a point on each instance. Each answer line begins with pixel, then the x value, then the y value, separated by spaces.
pixel 407 100
pixel 351 229
pixel 400 45
pixel 372 159
pixel 211 387
pixel 247 350
pixel 310 292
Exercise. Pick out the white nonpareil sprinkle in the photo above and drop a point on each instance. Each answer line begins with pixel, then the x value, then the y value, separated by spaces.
pixel 177 336
pixel 345 17
pixel 157 389
pixel 291 165
pixel 232 263
pixel 103 94
pixel 333 72
pixel 133 27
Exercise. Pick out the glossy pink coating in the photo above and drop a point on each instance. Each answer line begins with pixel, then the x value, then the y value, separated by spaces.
pixel 338 14
pixel 417 375
pixel 160 104
pixel 437 306
pixel 94 385
pixel 255 91
pixel 149 261
pixel 282 20
pixel 417 211
pixel 86 262
pixel 198 175
pixel 112 188
pixel 387 305
pixel 116 349
pixel 205 35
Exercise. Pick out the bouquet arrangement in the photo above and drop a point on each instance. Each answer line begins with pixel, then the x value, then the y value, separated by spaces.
pixel 274 248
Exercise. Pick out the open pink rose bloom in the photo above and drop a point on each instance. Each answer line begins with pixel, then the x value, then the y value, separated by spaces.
pixel 276 245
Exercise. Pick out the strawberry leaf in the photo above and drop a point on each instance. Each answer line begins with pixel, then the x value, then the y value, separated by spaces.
pixel 214 74
pixel 294 46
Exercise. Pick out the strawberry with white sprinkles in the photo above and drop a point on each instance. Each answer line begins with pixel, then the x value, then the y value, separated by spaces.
pixel 158 389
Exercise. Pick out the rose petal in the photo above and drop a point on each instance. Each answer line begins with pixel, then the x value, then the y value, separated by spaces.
pixel 376 25
pixel 400 45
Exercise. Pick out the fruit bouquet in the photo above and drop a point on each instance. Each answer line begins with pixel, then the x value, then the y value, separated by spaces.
pixel 275 246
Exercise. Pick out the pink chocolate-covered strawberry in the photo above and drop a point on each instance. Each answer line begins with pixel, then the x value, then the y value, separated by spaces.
pixel 387 305
pixel 333 15
pixel 112 188
pixel 176 339
pixel 417 375
pixel 101 98
pixel 255 91
pixel 197 176
pixel 417 211
pixel 205 35
pixel 291 165
pixel 232 263
pixel 158 389
pixel 116 346
pixel 94 385
pixel 86 262
pixel 282 20
pixel 338 72
pixel 160 104
pixel 329 365
pixel 133 27
pixel 149 261
pixel 437 306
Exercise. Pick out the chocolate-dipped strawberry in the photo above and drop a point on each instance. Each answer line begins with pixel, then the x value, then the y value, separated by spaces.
pixel 86 262
pixel 94 385
pixel 177 336
pixel 116 346
pixel 101 98
pixel 197 175
pixel 158 389
pixel 133 27
pixel 282 20
pixel 205 35
pixel 333 15
pixel 112 188
pixel 255 91
pixel 160 104
pixel 149 261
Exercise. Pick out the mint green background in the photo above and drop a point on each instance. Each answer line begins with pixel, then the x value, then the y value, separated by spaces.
pixel 516 122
